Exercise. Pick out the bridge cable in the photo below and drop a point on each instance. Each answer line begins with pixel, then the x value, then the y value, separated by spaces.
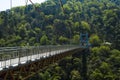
pixel 36 8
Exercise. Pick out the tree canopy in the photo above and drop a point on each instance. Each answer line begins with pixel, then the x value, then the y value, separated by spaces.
pixel 25 24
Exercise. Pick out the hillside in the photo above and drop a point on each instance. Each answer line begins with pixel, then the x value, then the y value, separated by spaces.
pixel 49 24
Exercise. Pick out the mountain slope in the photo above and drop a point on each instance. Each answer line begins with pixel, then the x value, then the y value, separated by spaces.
pixel 26 25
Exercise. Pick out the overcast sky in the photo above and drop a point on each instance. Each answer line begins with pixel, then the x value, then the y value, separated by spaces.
pixel 5 4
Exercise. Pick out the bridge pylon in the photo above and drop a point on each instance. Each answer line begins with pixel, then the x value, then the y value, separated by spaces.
pixel 84 40
pixel 84 43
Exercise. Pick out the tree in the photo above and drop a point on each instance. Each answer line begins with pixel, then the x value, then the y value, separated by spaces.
pixel 32 41
pixel 2 42
pixel 96 75
pixel 106 71
pixel 85 26
pixel 75 75
pixel 76 39
pixel 114 60
pixel 44 40
pixel 104 51
pixel 63 40
pixel 95 40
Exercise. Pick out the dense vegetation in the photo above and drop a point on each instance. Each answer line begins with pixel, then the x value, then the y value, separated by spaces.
pixel 102 64
pixel 69 68
pixel 50 24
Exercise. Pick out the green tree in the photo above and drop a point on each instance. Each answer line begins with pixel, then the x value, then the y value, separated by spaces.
pixel 75 75
pixel 76 39
pixel 63 40
pixel 95 40
pixel 32 41
pixel 85 26
pixel 96 75
pixel 44 40
pixel 2 42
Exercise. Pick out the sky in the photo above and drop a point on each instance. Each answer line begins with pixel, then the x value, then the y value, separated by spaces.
pixel 5 4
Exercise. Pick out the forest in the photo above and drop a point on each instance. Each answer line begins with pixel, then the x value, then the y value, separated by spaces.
pixel 103 63
pixel 50 24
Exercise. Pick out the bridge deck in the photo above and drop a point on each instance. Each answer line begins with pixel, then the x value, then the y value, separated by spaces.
pixel 21 64
pixel 32 56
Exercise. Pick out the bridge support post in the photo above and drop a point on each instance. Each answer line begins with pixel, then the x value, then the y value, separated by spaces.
pixel 9 75
pixel 84 43
pixel 84 64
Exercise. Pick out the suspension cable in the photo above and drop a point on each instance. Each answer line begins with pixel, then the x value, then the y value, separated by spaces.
pixel 26 1
pixel 32 4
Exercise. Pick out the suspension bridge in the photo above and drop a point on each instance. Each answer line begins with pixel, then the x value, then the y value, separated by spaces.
pixel 16 61
pixel 20 63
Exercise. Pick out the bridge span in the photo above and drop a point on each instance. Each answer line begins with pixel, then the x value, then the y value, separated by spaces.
pixel 20 63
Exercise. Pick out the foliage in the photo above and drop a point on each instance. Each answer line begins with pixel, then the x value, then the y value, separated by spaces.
pixel 103 63
pixel 48 25
pixel 94 40
pixel 63 40
pixel 76 39
pixel 44 40
pixel 99 17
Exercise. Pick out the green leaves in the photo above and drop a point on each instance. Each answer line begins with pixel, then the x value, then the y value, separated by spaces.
pixel 95 40
pixel 75 75
pixel 44 40
pixel 76 39
pixel 85 26
pixel 96 75
pixel 63 40
pixel 2 42
pixel 104 63
pixel 91 16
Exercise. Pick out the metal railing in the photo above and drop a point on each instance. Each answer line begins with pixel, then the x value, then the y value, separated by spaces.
pixel 13 56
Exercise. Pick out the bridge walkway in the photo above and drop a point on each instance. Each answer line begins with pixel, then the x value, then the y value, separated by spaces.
pixel 20 63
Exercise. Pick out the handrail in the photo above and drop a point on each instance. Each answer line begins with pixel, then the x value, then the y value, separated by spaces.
pixel 18 55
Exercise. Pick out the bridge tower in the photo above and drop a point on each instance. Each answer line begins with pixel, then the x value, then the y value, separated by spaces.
pixel 84 43
pixel 84 40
